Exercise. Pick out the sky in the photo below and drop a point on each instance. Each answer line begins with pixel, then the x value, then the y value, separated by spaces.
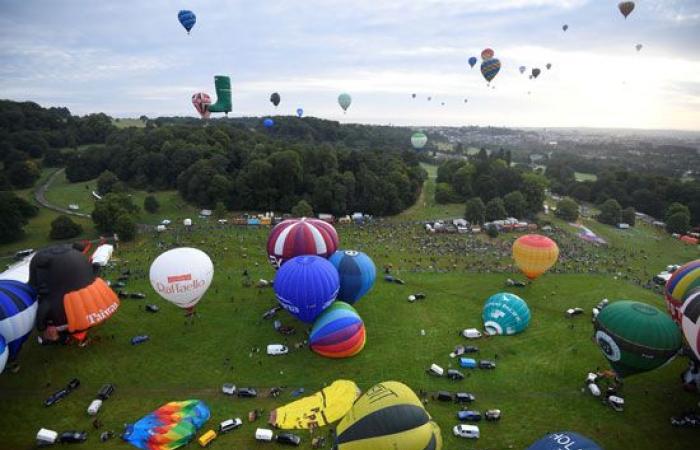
pixel 130 58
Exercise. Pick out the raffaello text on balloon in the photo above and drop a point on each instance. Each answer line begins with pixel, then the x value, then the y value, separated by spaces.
pixel 179 287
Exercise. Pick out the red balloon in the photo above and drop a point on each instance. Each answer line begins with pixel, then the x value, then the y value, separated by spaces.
pixel 487 53
pixel 201 102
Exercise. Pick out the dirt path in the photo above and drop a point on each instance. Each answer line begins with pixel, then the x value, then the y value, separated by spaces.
pixel 40 197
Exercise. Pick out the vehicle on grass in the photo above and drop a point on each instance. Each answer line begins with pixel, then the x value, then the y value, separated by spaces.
pixel 288 439
pixel 493 415
pixel 443 396
pixel 207 438
pixel 471 333
pixel 486 364
pixel 466 431
pixel 247 392
pixel 277 349
pixel 230 425
pixel 464 397
pixel 263 434
pixel 72 437
pixel 435 370
pixel 469 416
pixel 455 375
pixel 229 389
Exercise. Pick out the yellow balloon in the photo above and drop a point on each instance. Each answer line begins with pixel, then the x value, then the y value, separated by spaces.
pixel 535 254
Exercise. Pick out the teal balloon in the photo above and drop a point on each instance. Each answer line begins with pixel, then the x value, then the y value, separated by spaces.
pixel 344 100
pixel 505 313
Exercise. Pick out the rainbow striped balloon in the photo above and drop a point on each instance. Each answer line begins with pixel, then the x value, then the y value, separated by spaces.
pixel 683 280
pixel 338 332
pixel 535 254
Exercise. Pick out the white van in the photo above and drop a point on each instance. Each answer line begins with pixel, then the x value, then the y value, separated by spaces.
pixel 466 431
pixel 277 349
pixel 436 370
pixel 471 333
pixel 263 434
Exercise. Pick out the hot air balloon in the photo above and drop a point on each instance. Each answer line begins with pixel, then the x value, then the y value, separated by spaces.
pixel 690 321
pixel 548 66
pixel 323 408
pixel 626 8
pixel 4 353
pixel 18 309
pixel 357 274
pixel 638 47
pixel 565 27
pixel 201 102
pixel 442 103
pixel 564 440
pixel 522 69
pixel 339 332
pixel 300 112
pixel 169 427
pixel 466 100
pixel 182 276
pixel 69 294
pixel 683 280
pixel 388 416
pixel 275 99
pixel 536 72
pixel 295 237
pixel 418 140
pixel 223 95
pixel 506 314
pixel 268 123
pixel 306 285
pixel 344 100
pixel 487 54
pixel 636 337
pixel 430 98
pixel 413 95
pixel 490 68
pixel 187 19
pixel 535 254
pixel 472 61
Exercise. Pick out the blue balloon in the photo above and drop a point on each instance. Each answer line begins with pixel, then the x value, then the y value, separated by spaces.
pixel 506 314
pixel 187 19
pixel 268 123
pixel 4 353
pixel 564 440
pixel 472 61
pixel 306 285
pixel 357 274
pixel 300 112
pixel 18 308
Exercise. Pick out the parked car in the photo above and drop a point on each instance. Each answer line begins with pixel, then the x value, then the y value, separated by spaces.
pixel 469 416
pixel 277 349
pixel 263 434
pixel 230 425
pixel 486 364
pixel 444 396
pixel 455 375
pixel 467 363
pixel 207 438
pixel 247 392
pixel 464 397
pixel 471 333
pixel 492 415
pixel 466 431
pixel 571 312
pixel 72 436
pixel 229 389
pixel 288 439
pixel 138 295
pixel 436 370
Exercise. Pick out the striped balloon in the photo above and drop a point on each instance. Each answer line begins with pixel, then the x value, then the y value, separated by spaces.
pixel 357 274
pixel 683 280
pixel 490 68
pixel 18 308
pixel 201 102
pixel 338 332
pixel 4 353
pixel 690 321
pixel 535 254
pixel 295 237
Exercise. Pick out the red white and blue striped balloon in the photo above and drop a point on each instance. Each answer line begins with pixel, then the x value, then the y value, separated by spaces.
pixel 18 308
pixel 357 274
pixel 296 237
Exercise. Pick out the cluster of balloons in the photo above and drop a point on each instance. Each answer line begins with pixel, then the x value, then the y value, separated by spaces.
pixel 182 276
pixel 535 254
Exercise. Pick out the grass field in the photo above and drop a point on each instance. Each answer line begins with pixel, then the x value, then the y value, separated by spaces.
pixel 537 383
pixel 581 177
pixel 128 123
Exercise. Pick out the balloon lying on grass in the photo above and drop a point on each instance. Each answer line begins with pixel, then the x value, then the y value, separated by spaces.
pixel 684 279
pixel 388 416
pixel 564 440
pixel 339 332
pixel 69 293
pixel 690 321
pixel 635 337
pixel 306 285
pixel 505 313
pixel 418 140
pixel 187 19
pixel 535 254
pixel 182 276
pixel 296 237
pixel 318 410
pixel 201 102
pixel 4 353
pixel 171 426
pixel 357 274
pixel 18 309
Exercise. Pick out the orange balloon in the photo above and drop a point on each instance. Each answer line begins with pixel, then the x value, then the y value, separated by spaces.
pixel 535 254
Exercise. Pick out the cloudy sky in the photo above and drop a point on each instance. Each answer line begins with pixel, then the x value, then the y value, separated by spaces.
pixel 129 58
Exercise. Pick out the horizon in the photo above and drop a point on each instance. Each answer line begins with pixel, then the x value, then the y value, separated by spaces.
pixel 135 59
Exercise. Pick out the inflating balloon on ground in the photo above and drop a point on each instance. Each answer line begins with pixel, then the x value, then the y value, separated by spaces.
pixel 306 285
pixel 506 314
pixel 18 308
pixel 295 237
pixel 339 332
pixel 357 274
pixel 182 276
pixel 320 409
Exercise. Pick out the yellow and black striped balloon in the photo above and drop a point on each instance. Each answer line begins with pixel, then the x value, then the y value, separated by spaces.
pixel 389 416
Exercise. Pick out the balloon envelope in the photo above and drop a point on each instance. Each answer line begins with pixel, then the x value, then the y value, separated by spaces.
pixel 487 53
pixel 690 321
pixel 306 285
pixel 339 332
pixel 564 440
pixel 182 275
pixel 522 69
pixel 388 416
pixel 344 100
pixel 357 274
pixel 275 99
pixel 222 84
pixel 626 8
pixel 418 140
pixel 268 123
pixel 683 280
pixel 535 254
pixel 490 68
pixel 4 353
pixel 169 427
pixel 565 27
pixel 300 112
pixel 187 19
pixel 295 237
pixel 636 337
pixel 548 66
pixel 320 409
pixel 18 308
pixel 472 61
pixel 201 102
pixel 536 72
pixel 638 47
pixel 506 314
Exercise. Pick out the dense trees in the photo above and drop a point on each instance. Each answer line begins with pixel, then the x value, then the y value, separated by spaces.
pixel 475 211
pixel 677 218
pixel 114 214
pixel 150 204
pixel 14 215
pixel 302 209
pixel 629 216
pixel 495 209
pixel 62 227
pixel 567 209
pixel 610 212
